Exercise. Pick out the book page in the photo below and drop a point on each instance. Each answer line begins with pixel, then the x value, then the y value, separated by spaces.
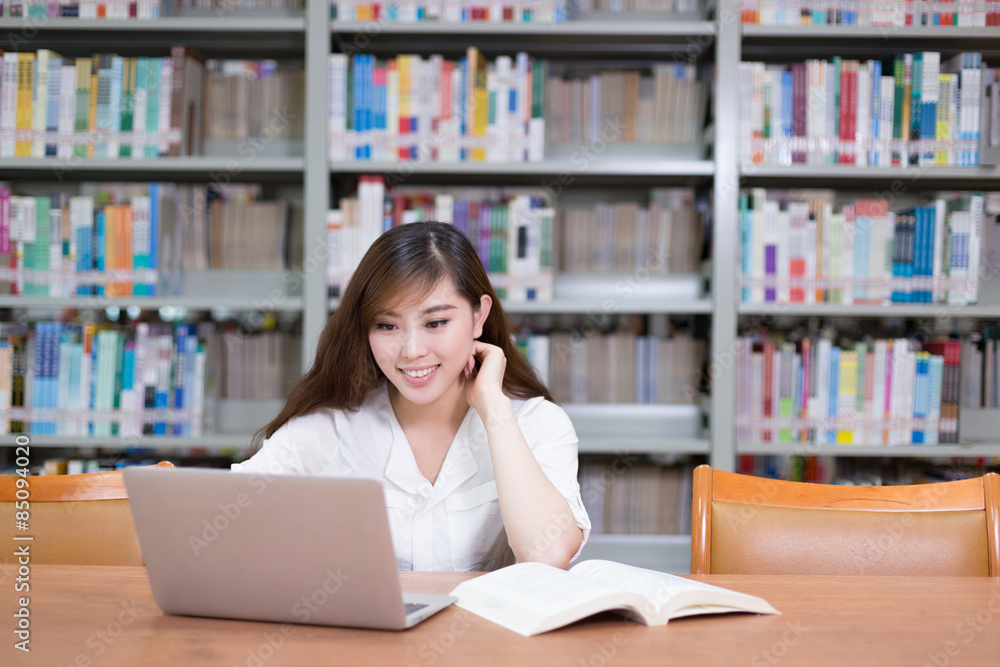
pixel 543 588
pixel 667 595
pixel 532 597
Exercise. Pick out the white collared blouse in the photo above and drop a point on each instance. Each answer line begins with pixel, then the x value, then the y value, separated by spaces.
pixel 454 524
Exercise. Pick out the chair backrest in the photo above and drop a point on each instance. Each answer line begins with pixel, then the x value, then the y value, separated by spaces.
pixel 73 519
pixel 751 525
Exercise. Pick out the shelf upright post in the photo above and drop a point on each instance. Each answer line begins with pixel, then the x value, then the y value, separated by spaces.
pixel 317 179
pixel 725 259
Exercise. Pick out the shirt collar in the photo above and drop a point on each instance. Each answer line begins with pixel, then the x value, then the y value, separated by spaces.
pixel 401 469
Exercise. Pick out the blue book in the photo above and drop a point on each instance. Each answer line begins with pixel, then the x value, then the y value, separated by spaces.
pixel 52 105
pixel 182 335
pixel 85 256
pixel 128 371
pixel 876 98
pixel 930 229
pixel 921 390
pixel 916 108
pixel 356 102
pixel 787 104
pixel 463 65
pixel 99 245
pixel 917 263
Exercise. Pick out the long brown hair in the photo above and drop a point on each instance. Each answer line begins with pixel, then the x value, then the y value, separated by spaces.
pixel 407 260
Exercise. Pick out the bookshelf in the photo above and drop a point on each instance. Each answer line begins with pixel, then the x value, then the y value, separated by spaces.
pixel 715 164
pixel 783 44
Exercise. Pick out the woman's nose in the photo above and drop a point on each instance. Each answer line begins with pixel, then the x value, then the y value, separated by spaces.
pixel 413 345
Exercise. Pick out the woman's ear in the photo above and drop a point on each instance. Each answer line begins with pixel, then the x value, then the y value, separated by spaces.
pixel 481 313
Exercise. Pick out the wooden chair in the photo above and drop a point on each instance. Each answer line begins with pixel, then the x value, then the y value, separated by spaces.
pixel 751 525
pixel 74 519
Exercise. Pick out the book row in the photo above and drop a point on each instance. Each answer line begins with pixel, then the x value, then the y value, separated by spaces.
pixel 620 367
pixel 180 7
pixel 61 378
pixel 519 11
pixel 432 109
pixel 450 11
pixel 583 7
pixel 66 379
pixel 119 240
pixel 797 248
pixel 878 13
pixel 629 495
pixel 874 392
pixel 863 471
pixel 254 98
pixel 103 106
pixel 917 109
pixel 665 237
pixel 83 9
pixel 512 233
pixel 665 104
pixel 130 9
pixel 981 369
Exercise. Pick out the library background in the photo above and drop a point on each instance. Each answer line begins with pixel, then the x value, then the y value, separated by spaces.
pixel 761 235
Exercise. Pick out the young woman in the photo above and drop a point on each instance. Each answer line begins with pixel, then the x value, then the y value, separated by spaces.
pixel 417 383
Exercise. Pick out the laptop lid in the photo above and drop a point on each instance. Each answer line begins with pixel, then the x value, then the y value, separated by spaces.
pixel 286 548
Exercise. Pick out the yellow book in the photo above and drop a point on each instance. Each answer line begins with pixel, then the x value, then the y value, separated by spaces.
pixel 943 122
pixel 847 396
pixel 25 93
pixel 403 63
pixel 474 70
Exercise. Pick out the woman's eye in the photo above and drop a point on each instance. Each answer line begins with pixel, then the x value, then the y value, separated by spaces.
pixel 384 326
pixel 436 324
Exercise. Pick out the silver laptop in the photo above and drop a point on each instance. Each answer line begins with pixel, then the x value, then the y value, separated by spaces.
pixel 285 548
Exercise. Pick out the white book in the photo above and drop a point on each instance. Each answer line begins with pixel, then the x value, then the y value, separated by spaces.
pixel 863 115
pixel 937 291
pixel 337 118
pixel 888 106
pixel 140 106
pixel 531 598
pixel 115 106
pixel 975 247
pixel 67 109
pixel 8 113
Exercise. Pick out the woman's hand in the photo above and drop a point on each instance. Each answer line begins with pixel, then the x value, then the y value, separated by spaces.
pixel 484 386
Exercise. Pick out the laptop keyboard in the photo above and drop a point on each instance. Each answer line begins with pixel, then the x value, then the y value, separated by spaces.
pixel 414 606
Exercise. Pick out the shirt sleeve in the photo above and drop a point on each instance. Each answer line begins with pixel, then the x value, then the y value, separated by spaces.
pixel 301 446
pixel 552 439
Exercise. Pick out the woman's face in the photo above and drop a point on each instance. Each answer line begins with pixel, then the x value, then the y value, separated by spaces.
pixel 424 347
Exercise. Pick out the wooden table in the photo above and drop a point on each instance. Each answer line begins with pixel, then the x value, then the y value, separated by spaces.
pixel 106 616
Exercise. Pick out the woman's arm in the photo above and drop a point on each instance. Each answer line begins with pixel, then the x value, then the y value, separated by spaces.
pixel 539 522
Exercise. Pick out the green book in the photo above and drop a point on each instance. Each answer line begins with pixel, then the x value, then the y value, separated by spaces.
pixel 153 68
pixel 128 107
pixel 81 119
pixel 899 75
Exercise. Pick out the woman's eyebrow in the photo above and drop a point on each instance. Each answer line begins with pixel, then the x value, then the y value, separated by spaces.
pixel 428 311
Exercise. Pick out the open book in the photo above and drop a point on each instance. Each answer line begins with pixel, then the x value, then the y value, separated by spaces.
pixel 530 598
